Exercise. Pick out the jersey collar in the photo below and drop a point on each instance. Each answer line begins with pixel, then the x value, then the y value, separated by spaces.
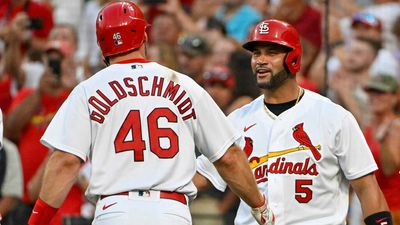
pixel 136 60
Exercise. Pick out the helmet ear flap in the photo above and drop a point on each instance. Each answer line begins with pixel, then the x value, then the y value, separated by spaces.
pixel 293 61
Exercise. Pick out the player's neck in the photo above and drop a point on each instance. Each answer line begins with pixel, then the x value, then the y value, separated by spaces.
pixel 286 93
pixel 137 54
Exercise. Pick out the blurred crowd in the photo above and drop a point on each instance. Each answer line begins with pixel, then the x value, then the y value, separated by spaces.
pixel 351 53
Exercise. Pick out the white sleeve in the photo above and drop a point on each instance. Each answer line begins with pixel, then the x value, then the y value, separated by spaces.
pixel 12 185
pixel 208 170
pixel 70 128
pixel 355 157
pixel 214 133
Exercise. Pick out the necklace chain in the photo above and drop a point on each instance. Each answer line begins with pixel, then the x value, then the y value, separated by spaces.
pixel 298 95
pixel 273 116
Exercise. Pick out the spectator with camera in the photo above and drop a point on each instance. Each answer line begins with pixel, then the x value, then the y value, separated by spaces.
pixel 30 113
pixel 39 20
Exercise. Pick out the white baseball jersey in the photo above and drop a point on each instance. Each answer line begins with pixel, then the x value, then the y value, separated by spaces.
pixel 139 122
pixel 302 159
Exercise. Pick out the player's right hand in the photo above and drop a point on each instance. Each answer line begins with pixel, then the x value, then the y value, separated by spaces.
pixel 263 214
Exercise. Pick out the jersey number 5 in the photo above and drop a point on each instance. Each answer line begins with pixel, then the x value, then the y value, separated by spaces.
pixel 135 143
pixel 303 193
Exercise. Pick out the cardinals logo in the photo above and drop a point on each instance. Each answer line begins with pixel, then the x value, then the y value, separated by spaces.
pixel 301 136
pixel 248 146
pixel 260 171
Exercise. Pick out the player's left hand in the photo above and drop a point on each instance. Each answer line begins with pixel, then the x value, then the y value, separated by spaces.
pixel 263 214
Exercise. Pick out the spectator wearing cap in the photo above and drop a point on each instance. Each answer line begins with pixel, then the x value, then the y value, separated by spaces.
pixel 193 51
pixel 387 11
pixel 347 82
pixel 382 134
pixel 30 113
pixel 366 25
pixel 38 17
pixel 369 26
pixel 219 82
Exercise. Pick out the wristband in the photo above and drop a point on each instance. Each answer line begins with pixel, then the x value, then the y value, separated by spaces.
pixel 379 218
pixel 42 213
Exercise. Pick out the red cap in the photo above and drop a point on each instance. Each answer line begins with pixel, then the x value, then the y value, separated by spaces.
pixel 366 19
pixel 220 75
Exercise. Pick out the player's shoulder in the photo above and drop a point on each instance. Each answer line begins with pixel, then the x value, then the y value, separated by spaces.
pixel 325 106
pixel 250 108
pixel 186 82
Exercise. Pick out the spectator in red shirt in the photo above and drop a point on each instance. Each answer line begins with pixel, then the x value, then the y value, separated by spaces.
pixel 40 18
pixel 29 116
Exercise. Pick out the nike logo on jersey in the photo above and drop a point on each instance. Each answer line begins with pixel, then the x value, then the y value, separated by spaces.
pixel 382 221
pixel 34 212
pixel 245 129
pixel 108 206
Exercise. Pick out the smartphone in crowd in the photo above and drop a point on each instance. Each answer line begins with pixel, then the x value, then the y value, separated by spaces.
pixel 35 23
pixel 55 66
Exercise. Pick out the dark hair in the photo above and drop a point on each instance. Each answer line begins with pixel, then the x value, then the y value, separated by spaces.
pixel 376 45
pixel 214 23
pixel 239 65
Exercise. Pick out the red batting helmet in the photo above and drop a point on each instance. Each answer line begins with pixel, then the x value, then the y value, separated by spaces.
pixel 120 27
pixel 281 33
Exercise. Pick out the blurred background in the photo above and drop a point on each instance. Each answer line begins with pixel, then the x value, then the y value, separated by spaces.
pixel 351 54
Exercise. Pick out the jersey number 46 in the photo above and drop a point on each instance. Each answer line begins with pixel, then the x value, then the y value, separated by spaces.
pixel 132 125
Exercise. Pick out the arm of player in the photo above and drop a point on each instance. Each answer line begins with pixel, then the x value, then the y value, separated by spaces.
pixel 200 182
pixel 235 170
pixel 372 200
pixel 207 175
pixel 60 174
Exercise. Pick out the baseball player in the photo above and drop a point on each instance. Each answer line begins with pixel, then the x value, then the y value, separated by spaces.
pixel 303 149
pixel 138 123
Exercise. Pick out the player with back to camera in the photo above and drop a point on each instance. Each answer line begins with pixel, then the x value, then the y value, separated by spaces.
pixel 138 123
pixel 304 149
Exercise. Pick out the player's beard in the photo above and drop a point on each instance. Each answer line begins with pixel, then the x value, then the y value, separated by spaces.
pixel 276 80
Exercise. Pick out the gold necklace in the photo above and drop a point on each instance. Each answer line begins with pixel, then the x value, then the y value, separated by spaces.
pixel 298 95
pixel 273 116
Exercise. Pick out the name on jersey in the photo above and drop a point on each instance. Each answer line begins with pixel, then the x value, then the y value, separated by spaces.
pixel 280 166
pixel 103 103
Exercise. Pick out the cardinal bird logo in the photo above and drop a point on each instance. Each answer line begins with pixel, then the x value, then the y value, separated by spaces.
pixel 248 146
pixel 302 137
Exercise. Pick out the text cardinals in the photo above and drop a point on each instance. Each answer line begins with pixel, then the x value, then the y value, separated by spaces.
pixel 120 90
pixel 280 166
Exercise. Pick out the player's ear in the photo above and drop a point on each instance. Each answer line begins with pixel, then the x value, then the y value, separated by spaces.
pixel 146 38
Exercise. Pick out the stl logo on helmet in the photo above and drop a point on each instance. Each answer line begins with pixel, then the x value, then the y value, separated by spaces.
pixel 263 28
pixel 117 38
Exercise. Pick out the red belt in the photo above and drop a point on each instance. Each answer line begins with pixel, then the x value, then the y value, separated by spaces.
pixel 163 194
